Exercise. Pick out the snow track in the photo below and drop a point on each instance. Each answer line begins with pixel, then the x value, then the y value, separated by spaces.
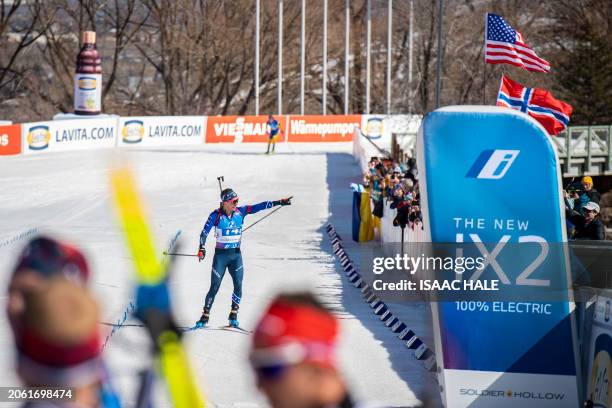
pixel 66 195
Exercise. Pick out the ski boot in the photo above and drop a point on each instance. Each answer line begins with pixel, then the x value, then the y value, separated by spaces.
pixel 203 319
pixel 233 316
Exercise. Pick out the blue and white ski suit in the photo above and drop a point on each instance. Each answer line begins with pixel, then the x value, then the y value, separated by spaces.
pixel 228 232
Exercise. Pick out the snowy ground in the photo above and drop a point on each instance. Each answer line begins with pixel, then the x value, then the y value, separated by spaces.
pixel 66 194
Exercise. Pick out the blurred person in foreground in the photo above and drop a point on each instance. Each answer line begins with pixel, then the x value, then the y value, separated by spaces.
pixel 42 259
pixel 293 355
pixel 55 323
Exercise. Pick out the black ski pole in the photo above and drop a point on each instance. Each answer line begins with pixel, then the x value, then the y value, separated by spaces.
pixel 265 216
pixel 403 227
pixel 220 179
pixel 177 254
pixel 147 379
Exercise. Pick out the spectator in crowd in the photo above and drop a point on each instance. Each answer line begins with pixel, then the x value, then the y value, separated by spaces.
pixel 589 191
pixel 393 186
pixel 411 173
pixel 400 197
pixel 399 188
pixel 588 225
pixel 571 198
pixel 573 202
pixel 374 179
pixel 55 322
pixel 586 191
pixel 402 202
pixel 293 355
pixel 415 217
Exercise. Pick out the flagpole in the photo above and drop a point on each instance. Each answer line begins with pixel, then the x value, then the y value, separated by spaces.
pixel 368 54
pixel 279 97
pixel 347 17
pixel 484 66
pixel 484 82
pixel 302 55
pixel 439 52
pixel 257 7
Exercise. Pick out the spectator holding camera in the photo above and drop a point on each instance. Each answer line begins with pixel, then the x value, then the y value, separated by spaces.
pixel 573 202
pixel 585 190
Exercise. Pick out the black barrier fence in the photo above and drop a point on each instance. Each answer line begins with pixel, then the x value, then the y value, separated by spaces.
pixel 586 263
pixel 380 309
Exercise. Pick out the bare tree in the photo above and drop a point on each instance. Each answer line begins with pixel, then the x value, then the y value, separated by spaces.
pixel 21 26
pixel 180 57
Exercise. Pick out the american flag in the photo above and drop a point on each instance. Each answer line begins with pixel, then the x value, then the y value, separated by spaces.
pixel 552 113
pixel 504 45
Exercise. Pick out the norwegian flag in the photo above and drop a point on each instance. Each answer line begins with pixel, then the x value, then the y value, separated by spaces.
pixel 504 45
pixel 552 113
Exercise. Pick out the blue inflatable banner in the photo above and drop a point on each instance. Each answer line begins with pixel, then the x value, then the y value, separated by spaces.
pixel 489 177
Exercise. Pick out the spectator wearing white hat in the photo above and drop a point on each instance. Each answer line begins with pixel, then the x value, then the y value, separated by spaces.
pixel 589 226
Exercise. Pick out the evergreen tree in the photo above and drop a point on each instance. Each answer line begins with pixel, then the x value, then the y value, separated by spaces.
pixel 582 70
pixel 584 80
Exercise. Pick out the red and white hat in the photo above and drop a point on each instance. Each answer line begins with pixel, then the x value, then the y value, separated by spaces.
pixel 49 258
pixel 42 259
pixel 291 333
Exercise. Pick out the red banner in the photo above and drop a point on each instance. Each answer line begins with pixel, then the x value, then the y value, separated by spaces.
pixel 241 129
pixel 323 128
pixel 10 140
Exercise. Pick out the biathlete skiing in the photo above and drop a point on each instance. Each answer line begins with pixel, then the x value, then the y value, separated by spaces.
pixel 227 221
pixel 273 129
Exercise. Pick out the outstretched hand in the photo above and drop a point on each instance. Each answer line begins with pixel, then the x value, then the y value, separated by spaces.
pixel 285 201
